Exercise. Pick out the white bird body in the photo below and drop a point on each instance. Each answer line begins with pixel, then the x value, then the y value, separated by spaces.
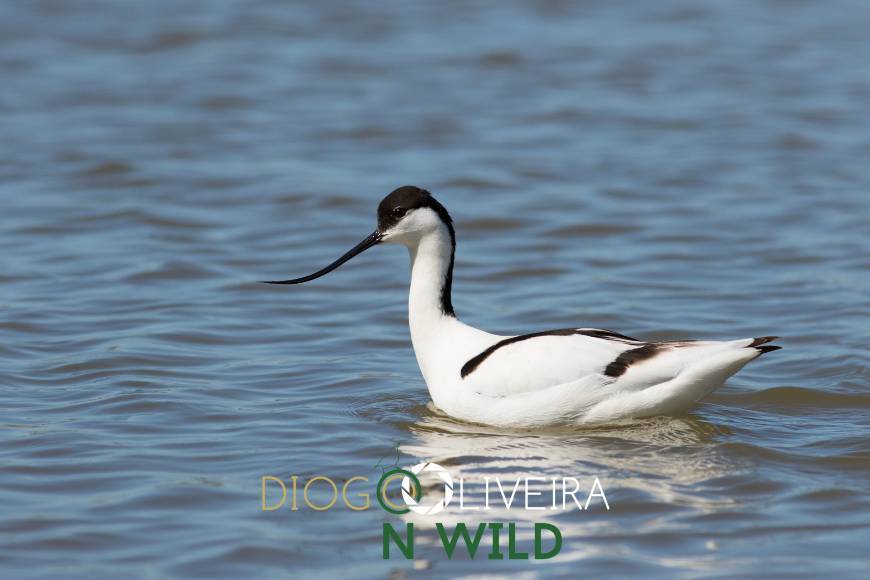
pixel 574 376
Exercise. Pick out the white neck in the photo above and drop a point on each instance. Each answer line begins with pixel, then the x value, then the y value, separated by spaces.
pixel 431 259
pixel 441 342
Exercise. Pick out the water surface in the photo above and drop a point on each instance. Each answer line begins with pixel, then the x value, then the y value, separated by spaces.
pixel 666 169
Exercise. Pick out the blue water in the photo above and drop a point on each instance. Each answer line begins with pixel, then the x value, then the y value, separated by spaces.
pixel 666 169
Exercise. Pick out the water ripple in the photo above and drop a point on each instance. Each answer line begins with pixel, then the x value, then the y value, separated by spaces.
pixel 669 170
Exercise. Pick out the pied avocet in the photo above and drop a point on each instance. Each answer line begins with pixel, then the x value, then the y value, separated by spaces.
pixel 557 377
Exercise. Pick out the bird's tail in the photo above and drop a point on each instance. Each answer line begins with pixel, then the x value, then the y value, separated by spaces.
pixel 760 344
pixel 686 373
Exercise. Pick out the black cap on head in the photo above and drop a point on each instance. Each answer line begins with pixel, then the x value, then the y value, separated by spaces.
pixel 402 200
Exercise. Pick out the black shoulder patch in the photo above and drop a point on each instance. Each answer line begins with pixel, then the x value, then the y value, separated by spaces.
pixel 626 359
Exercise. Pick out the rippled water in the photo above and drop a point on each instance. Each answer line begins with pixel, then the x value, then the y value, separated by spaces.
pixel 665 169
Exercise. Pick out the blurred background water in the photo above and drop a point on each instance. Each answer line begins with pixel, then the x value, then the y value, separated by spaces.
pixel 665 169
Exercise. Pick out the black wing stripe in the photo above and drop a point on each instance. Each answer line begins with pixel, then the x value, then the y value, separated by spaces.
pixel 605 334
pixel 475 362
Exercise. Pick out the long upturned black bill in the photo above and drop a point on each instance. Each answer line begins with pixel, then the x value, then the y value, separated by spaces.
pixel 372 240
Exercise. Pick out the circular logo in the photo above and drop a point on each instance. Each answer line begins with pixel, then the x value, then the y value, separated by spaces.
pixel 413 502
pixel 415 492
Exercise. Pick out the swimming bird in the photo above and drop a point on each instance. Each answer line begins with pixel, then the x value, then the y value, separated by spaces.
pixel 570 376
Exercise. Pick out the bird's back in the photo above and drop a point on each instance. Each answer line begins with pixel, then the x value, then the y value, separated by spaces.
pixel 597 375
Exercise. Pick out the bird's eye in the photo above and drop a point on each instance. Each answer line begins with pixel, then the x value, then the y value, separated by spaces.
pixel 399 212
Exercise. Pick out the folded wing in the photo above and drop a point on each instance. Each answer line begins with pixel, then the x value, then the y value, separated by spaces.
pixel 535 362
